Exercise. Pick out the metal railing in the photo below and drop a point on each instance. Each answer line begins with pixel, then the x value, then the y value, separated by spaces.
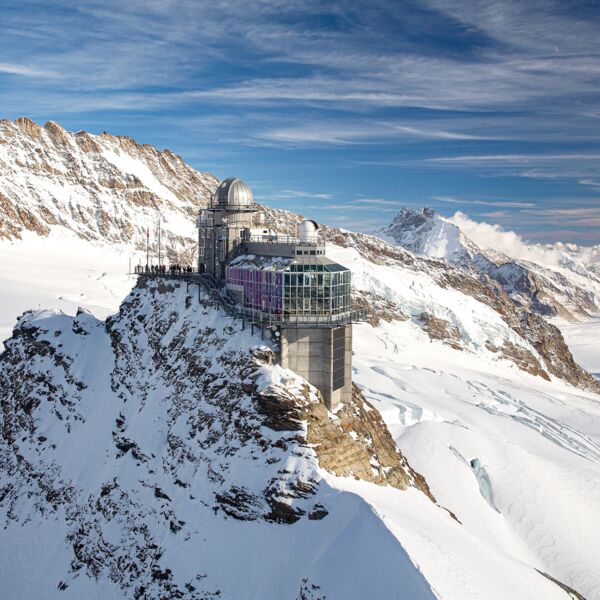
pixel 221 296
pixel 302 321
pixel 280 239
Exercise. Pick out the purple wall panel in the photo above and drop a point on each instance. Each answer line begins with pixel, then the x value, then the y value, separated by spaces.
pixel 263 290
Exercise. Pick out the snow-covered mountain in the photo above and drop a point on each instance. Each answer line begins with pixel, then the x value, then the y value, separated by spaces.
pixel 160 453
pixel 152 455
pixel 101 187
pixel 552 279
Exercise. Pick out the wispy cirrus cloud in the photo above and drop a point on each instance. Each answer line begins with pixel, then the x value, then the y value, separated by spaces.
pixel 301 194
pixel 356 132
pixel 25 70
pixel 589 183
pixel 516 159
pixel 502 203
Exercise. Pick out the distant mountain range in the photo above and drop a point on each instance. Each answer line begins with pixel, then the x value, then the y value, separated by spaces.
pixel 552 279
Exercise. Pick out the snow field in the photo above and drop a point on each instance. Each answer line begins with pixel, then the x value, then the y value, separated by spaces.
pixel 537 442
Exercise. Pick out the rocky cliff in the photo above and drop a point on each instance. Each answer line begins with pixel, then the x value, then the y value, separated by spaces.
pixel 130 442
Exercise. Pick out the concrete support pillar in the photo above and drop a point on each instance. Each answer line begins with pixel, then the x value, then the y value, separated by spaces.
pixel 323 356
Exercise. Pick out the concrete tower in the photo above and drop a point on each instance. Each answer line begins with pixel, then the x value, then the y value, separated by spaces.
pixel 220 226
pixel 285 285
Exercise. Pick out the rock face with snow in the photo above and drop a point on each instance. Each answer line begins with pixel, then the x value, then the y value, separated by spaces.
pixel 563 282
pixel 132 443
pixel 102 187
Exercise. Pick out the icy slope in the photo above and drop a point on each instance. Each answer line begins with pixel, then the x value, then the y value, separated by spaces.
pixel 582 338
pixel 515 458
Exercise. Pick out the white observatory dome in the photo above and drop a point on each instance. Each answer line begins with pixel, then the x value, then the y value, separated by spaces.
pixel 233 192
pixel 308 231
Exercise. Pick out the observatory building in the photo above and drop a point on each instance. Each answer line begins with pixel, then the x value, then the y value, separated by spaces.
pixel 286 285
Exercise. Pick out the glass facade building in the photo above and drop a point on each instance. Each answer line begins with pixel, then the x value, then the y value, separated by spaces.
pixel 319 290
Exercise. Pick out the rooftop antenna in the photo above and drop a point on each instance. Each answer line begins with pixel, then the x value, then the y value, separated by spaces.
pixel 159 240
pixel 147 248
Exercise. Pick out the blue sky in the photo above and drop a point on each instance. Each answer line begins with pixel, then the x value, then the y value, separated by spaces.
pixel 343 111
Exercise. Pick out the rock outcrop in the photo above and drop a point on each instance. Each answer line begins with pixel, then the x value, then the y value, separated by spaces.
pixel 355 442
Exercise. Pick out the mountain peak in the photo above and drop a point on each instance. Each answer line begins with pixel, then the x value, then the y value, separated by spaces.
pixel 28 126
pixel 424 232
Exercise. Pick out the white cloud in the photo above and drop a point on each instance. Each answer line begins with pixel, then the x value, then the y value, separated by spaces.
pixel 488 236
pixel 26 71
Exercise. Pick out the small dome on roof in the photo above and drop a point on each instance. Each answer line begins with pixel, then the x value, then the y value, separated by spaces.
pixel 233 192
pixel 308 231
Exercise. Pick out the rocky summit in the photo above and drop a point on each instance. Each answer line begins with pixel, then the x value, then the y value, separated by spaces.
pixel 552 280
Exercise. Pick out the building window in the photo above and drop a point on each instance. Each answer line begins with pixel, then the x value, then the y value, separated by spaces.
pixel 308 291
pixel 338 350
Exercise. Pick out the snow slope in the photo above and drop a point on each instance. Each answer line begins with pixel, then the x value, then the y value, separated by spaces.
pixel 61 271
pixel 583 339
pixel 460 418
pixel 515 458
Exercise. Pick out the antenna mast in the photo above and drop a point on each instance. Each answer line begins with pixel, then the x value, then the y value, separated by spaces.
pixel 159 247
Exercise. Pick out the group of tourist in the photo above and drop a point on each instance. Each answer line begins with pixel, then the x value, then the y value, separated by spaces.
pixel 175 269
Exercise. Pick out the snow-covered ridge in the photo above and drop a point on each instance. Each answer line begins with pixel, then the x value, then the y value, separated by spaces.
pixel 102 187
pixel 153 453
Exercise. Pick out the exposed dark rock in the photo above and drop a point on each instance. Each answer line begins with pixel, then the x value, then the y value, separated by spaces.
pixel 575 595
pixel 440 329
pixel 318 512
